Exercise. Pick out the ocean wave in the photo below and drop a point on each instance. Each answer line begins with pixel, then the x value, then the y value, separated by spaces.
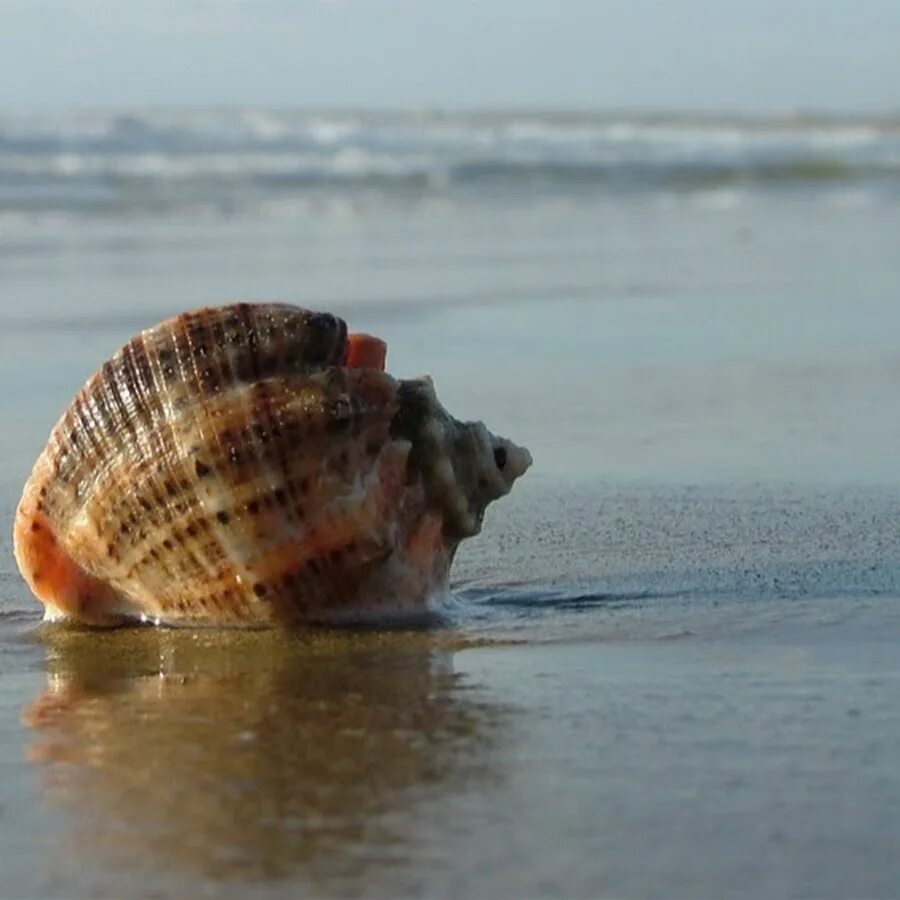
pixel 165 159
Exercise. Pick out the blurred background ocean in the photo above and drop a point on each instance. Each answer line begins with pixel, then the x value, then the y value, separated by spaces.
pixel 263 162
pixel 672 296
pixel 658 244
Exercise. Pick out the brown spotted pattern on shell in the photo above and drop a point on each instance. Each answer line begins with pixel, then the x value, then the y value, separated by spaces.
pixel 252 464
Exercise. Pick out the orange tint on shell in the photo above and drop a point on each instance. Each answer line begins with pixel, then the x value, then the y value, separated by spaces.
pixel 365 352
pixel 54 576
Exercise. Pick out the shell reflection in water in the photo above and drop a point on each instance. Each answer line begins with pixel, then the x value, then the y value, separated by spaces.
pixel 252 756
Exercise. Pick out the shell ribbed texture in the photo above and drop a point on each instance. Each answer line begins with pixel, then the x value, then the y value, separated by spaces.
pixel 222 466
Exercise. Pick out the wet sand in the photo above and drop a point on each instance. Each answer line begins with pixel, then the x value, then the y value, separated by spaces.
pixel 168 763
pixel 670 666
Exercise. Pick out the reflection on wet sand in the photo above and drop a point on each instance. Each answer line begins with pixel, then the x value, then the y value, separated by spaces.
pixel 254 755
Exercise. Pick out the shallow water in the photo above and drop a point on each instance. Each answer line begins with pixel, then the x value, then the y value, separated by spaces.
pixel 163 762
pixel 669 666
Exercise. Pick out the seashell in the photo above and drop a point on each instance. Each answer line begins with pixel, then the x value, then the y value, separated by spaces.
pixel 253 464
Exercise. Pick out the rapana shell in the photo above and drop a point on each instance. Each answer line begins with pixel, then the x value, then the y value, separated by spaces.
pixel 252 464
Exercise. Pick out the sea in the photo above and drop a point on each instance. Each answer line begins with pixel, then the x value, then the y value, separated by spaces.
pixel 669 665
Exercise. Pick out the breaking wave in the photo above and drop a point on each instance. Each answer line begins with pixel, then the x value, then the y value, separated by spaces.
pixel 111 164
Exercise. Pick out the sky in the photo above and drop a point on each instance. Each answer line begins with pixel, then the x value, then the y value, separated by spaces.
pixel 715 55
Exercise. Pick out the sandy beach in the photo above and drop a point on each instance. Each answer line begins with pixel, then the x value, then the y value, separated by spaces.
pixel 669 666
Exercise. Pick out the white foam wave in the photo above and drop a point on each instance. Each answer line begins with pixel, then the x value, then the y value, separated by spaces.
pixel 114 157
